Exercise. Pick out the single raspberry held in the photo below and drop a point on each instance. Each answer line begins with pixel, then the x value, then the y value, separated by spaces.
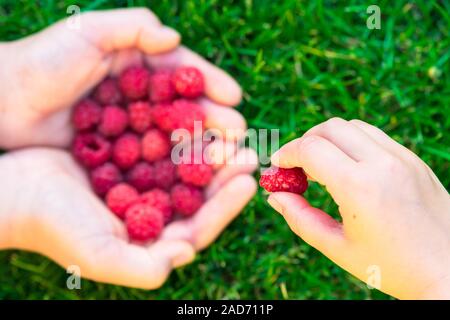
pixel 114 121
pixel 140 116
pixel 165 173
pixel 181 114
pixel 108 92
pixel 186 199
pixel 126 150
pixel 91 149
pixel 104 178
pixel 141 176
pixel 134 82
pixel 197 174
pixel 143 222
pixel 160 200
pixel 120 197
pixel 188 82
pixel 161 88
pixel 86 115
pixel 155 145
pixel 279 179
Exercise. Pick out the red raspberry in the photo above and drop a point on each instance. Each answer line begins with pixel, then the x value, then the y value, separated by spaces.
pixel 140 116
pixel 143 222
pixel 108 92
pixel 279 179
pixel 141 176
pixel 104 178
pixel 160 200
pixel 165 173
pixel 186 199
pixel 86 114
pixel 180 114
pixel 114 121
pixel 120 197
pixel 161 87
pixel 91 149
pixel 196 174
pixel 126 151
pixel 188 82
pixel 134 82
pixel 155 145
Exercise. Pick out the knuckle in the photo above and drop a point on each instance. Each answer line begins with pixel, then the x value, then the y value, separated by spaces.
pixel 335 121
pixel 308 144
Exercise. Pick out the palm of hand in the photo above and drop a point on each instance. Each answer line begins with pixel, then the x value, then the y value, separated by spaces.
pixel 73 225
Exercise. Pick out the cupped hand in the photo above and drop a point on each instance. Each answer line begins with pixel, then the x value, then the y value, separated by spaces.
pixel 43 75
pixel 395 230
pixel 48 207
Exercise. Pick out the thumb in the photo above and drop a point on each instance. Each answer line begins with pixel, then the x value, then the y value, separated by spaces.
pixel 311 224
pixel 119 29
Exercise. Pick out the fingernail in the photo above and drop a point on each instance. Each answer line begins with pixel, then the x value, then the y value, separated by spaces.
pixel 275 158
pixel 275 204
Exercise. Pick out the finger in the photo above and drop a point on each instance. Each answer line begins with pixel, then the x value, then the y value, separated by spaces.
pixel 219 86
pixel 244 162
pixel 320 158
pixel 218 152
pixel 380 137
pixel 230 123
pixel 311 224
pixel 347 137
pixel 119 29
pixel 121 263
pixel 212 218
pixel 124 59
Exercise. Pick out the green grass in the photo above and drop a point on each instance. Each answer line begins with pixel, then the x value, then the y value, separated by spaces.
pixel 299 62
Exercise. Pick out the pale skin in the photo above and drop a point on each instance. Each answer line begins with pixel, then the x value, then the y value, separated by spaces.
pixel 395 211
pixel 47 205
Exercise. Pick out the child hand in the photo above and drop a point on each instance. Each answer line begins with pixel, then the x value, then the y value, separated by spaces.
pixel 45 74
pixel 48 207
pixel 395 212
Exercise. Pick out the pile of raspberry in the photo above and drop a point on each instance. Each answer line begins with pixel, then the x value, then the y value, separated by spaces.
pixel 123 140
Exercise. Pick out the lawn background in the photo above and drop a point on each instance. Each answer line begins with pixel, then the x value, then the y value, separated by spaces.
pixel 300 63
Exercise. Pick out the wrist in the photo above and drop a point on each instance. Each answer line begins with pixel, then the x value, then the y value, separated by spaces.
pixel 14 208
pixel 11 95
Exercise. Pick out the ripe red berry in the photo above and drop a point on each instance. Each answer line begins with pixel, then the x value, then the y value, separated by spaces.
pixel 91 149
pixel 181 114
pixel 279 179
pixel 141 176
pixel 105 177
pixel 126 151
pixel 143 222
pixel 86 115
pixel 108 92
pixel 161 88
pixel 188 82
pixel 140 116
pixel 120 197
pixel 155 145
pixel 114 121
pixel 134 82
pixel 196 174
pixel 186 199
pixel 160 200
pixel 165 173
